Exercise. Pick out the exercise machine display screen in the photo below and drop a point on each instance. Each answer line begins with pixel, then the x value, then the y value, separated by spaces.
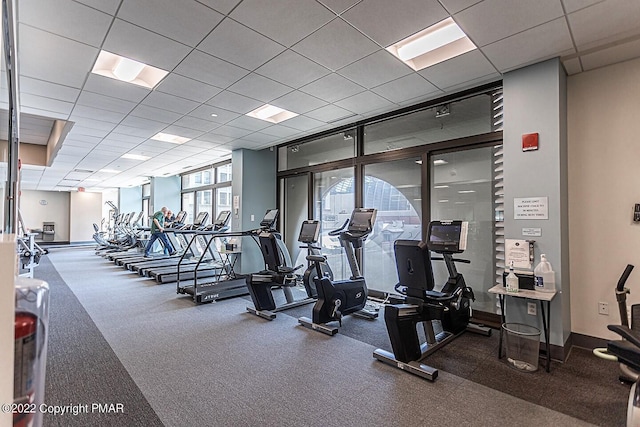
pixel 223 218
pixel 447 236
pixel 309 231
pixel 362 219
pixel 270 218
pixel 201 219
pixel 413 264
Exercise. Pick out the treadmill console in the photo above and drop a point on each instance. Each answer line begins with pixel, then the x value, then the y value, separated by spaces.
pixel 201 219
pixel 362 220
pixel 447 237
pixel 309 232
pixel 223 219
pixel 269 220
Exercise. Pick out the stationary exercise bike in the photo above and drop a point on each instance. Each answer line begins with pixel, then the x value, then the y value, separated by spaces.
pixel 278 274
pixel 338 298
pixel 451 306
pixel 626 351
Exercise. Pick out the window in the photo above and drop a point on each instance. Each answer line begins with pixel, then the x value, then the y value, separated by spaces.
pixel 327 149
pixel 223 173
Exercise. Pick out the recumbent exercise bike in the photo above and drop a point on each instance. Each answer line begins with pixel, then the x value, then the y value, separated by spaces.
pixel 451 306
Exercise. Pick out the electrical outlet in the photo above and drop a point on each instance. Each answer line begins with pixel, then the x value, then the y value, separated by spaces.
pixel 603 308
pixel 531 308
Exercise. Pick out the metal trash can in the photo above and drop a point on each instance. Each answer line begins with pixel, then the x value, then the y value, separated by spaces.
pixel 522 346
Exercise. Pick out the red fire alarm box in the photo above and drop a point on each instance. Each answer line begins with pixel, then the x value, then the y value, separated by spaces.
pixel 529 142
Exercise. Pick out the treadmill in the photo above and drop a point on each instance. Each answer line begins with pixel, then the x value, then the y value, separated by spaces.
pixel 226 283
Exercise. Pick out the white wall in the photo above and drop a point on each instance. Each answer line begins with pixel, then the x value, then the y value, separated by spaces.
pixel 7 298
pixel 56 209
pixel 85 210
pixel 604 184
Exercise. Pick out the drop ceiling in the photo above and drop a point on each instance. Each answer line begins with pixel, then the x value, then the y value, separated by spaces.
pixel 323 59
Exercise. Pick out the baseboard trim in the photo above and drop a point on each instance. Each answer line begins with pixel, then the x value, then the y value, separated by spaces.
pixel 588 342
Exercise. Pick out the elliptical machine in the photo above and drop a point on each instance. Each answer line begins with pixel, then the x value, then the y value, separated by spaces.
pixel 337 298
pixel 278 274
pixel 451 306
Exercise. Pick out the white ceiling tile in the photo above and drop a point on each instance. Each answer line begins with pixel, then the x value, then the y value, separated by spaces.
pixel 376 69
pixel 116 136
pixel 46 113
pixel 573 5
pixel 182 131
pixel 285 21
pixel 249 123
pixel 232 102
pixel 572 65
pixel 103 102
pixel 96 114
pixel 184 87
pixel 339 6
pixel 95 124
pixel 108 6
pixel 157 114
pixel 506 17
pixel 615 54
pixel 212 137
pixel 261 138
pixel 115 88
pixel 93 140
pixel 88 131
pixel 330 113
pixel 222 6
pixel 116 143
pixel 364 102
pixel 47 89
pixel 142 45
pixel 170 102
pixel 298 102
pixel 597 24
pixel 222 116
pixel 129 130
pixel 335 45
pixel 203 144
pixel 229 131
pixel 402 18
pixel 332 88
pixel 114 149
pixel 292 69
pixel 260 88
pixel 196 123
pixel 73 20
pixel 539 43
pixel 52 58
pixel 208 69
pixel 239 45
pixel 185 21
pixel 462 68
pixel 185 150
pixel 142 123
pixel 455 6
pixel 281 131
pixel 405 88
pixel 242 143
pixel 49 104
pixel 301 123
pixel 491 78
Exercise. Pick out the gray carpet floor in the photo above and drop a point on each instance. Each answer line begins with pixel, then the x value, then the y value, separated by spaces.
pixel 216 365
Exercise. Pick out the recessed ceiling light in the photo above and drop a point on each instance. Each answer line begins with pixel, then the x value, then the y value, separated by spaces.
pixel 433 45
pixel 167 137
pixel 214 115
pixel 440 162
pixel 419 162
pixel 466 191
pixel 271 114
pixel 127 70
pixel 443 201
pixel 441 186
pixel 135 157
pixel 109 171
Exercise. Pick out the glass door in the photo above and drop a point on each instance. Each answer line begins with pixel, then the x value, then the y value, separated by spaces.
pixel 461 189
pixel 295 206
pixel 334 200
pixel 393 188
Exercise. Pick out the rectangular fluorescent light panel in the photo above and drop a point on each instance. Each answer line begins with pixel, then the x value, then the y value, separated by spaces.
pixel 167 137
pixel 466 191
pixel 441 186
pixel 127 70
pixel 271 114
pixel 135 157
pixel 438 43
pixel 440 162
pixel 109 171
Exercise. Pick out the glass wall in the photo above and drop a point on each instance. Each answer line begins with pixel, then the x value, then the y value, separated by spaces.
pixel 334 200
pixel 295 202
pixel 204 202
pixel 207 190
pixel 394 189
pixel 322 150
pixel 188 205
pixel 466 117
pixel 461 189
pixel 223 201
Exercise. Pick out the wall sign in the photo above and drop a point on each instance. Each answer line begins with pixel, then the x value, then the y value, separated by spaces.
pixel 532 232
pixel 531 208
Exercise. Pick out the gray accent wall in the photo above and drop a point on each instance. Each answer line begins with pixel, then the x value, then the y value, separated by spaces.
pixel 254 184
pixel 535 101
pixel 130 199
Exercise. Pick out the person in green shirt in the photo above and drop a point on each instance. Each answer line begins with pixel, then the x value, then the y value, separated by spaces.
pixel 157 232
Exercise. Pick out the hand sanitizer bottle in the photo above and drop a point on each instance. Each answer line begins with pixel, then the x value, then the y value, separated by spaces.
pixel 512 280
pixel 544 275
